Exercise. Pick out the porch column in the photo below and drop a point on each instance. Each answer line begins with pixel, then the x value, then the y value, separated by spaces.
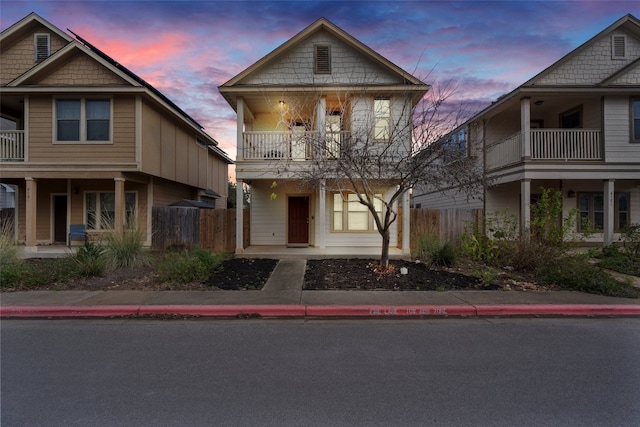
pixel 322 214
pixel 31 201
pixel 239 216
pixel 609 213
pixel 321 114
pixel 119 207
pixel 239 131
pixel 525 127
pixel 406 223
pixel 525 208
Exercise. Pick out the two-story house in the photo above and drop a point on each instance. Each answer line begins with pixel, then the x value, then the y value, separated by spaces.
pixel 322 84
pixel 86 141
pixel 574 128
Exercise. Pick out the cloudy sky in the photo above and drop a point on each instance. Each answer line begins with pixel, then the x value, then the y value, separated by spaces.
pixel 186 49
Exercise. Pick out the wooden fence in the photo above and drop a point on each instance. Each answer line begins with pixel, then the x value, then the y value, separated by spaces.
pixel 215 229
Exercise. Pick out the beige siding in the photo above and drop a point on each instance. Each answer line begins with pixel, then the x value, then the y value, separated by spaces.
pixel 617 145
pixel 347 66
pixel 151 142
pixel 41 135
pixel 81 70
pixel 17 56
pixel 167 192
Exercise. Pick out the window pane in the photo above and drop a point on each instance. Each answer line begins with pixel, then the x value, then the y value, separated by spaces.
pixel 598 220
pixel 68 109
pixel 130 209
pixel 68 119
pixel 98 109
pixel 583 202
pixel 68 130
pixel 107 210
pixel 358 221
pixel 98 114
pixel 355 205
pixel 382 114
pixel 598 203
pixel 90 200
pixel 337 221
pixel 97 130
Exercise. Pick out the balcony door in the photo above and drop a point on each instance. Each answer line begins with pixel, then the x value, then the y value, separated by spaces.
pixel 298 221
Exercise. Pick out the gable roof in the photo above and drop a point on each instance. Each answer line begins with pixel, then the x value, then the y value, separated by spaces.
pixel 324 24
pixel 78 44
pixel 628 22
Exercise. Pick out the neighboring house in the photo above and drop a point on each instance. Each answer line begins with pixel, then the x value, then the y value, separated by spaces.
pixel 322 83
pixel 575 128
pixel 93 143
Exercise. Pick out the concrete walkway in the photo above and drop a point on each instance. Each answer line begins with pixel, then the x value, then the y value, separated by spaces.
pixel 282 296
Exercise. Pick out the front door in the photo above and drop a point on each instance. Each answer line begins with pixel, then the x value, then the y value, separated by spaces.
pixel 60 219
pixel 298 221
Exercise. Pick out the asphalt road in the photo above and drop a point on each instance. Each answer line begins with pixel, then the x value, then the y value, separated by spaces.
pixel 471 372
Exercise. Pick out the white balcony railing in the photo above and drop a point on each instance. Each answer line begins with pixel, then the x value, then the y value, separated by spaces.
pixel 290 145
pixel 546 145
pixel 11 145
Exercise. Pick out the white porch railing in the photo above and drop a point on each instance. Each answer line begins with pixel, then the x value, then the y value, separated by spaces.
pixel 546 145
pixel 289 145
pixel 11 146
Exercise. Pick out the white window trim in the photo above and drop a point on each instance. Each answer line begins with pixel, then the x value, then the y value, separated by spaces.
pixel 98 222
pixel 83 120
pixel 614 38
pixel 36 37
pixel 345 214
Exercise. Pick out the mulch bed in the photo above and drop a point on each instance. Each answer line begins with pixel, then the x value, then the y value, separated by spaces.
pixel 359 274
pixel 242 274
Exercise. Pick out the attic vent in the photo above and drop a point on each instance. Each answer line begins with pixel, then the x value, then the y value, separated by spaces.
pixel 41 42
pixel 322 59
pixel 618 47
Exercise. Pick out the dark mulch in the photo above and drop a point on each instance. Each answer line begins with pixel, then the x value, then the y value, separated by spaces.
pixel 242 274
pixel 359 274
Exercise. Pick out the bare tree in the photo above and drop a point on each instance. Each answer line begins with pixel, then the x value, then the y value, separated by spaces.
pixel 396 144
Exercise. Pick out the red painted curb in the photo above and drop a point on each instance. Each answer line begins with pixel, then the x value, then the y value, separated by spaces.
pixel 559 310
pixel 390 310
pixel 274 310
pixel 69 311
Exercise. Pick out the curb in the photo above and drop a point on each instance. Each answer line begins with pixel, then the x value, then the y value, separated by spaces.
pixel 317 311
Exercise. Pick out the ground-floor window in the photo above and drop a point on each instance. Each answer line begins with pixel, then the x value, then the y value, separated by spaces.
pixel 351 215
pixel 100 208
pixel 591 211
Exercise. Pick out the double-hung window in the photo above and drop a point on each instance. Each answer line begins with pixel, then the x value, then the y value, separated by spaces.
pixel 80 120
pixel 382 118
pixel 635 119
pixel 100 209
pixel 351 215
pixel 591 210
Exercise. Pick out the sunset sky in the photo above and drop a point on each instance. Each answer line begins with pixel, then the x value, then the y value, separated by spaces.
pixel 186 49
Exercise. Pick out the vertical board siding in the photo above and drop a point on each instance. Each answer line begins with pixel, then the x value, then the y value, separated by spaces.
pixel 448 225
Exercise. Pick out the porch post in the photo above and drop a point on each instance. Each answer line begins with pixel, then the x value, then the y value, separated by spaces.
pixel 525 127
pixel 321 114
pixel 239 131
pixel 322 217
pixel 406 223
pixel 239 216
pixel 118 222
pixel 525 208
pixel 609 213
pixel 31 201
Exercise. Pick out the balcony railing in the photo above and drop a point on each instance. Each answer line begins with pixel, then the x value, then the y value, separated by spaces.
pixel 11 145
pixel 292 145
pixel 546 145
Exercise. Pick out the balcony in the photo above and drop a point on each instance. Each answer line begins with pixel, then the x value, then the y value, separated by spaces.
pixel 11 146
pixel 546 145
pixel 297 146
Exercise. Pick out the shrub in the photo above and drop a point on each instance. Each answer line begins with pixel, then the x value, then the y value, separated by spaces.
pixel 186 266
pixel 577 274
pixel 37 272
pixel 91 260
pixel 630 236
pixel 434 252
pixel 8 249
pixel 126 249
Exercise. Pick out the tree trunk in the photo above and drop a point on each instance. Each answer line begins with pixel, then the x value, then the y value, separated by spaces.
pixel 384 258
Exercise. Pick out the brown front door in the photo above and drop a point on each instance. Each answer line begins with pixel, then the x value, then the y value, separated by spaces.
pixel 298 220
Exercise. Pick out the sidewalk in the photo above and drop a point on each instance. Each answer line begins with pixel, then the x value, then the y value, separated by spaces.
pixel 282 296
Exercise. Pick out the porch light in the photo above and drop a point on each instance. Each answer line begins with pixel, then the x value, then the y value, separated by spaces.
pixel 281 102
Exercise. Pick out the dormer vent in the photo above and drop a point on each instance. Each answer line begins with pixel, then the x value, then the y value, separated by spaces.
pixel 322 59
pixel 42 47
pixel 618 47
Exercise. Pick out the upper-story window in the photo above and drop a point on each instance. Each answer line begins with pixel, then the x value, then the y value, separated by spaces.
pixel 635 119
pixel 322 59
pixel 42 47
pixel 351 215
pixel 82 119
pixel 382 118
